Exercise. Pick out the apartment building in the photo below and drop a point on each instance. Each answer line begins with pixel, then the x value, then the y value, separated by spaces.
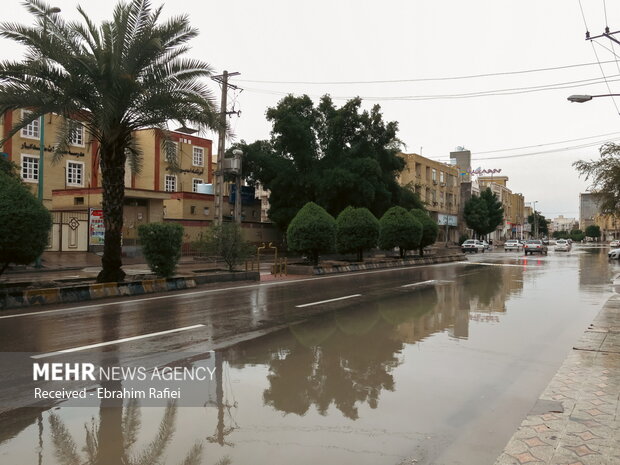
pixel 438 186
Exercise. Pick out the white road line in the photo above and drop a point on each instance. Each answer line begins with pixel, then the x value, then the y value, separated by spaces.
pixel 422 283
pixel 330 300
pixel 117 341
pixel 492 264
pixel 211 291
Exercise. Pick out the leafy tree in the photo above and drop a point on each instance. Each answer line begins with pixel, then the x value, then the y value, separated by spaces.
pixel 24 223
pixel 161 246
pixel 604 174
pixel 399 228
pixel 430 229
pixel 129 73
pixel 476 215
pixel 312 231
pixel 543 223
pixel 561 234
pixel 10 168
pixel 335 157
pixel 356 229
pixel 226 240
pixel 494 208
pixel 593 231
pixel 577 235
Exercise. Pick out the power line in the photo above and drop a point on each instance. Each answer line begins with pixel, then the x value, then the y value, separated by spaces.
pixel 549 143
pixel 443 78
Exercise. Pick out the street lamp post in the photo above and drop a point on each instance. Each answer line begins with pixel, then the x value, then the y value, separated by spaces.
pixel 53 10
pixel 587 98
pixel 535 220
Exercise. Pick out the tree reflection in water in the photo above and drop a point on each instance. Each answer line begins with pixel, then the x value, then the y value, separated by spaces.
pixel 97 449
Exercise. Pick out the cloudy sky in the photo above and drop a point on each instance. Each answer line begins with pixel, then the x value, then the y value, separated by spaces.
pixel 489 75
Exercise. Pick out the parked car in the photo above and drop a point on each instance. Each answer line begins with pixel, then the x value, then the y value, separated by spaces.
pixel 535 246
pixel 487 246
pixel 615 243
pixel 512 244
pixel 472 245
pixel 614 253
pixel 562 245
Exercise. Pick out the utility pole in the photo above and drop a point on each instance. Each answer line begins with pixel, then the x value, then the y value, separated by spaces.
pixel 221 146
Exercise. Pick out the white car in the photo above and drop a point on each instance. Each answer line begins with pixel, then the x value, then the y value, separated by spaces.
pixel 614 253
pixel 486 245
pixel 512 244
pixel 472 245
pixel 615 243
pixel 562 245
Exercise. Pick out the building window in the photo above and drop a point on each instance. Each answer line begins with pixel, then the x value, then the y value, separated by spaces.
pixel 441 176
pixel 198 158
pixel 195 182
pixel 32 130
pixel 192 209
pixel 30 168
pixel 434 175
pixel 77 136
pixel 206 211
pixel 171 183
pixel 78 201
pixel 75 173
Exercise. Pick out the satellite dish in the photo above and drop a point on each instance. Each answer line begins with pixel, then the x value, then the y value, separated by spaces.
pixel 459 149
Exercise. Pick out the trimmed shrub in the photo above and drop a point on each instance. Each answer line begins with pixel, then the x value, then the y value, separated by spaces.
pixel 399 228
pixel 161 246
pixel 430 229
pixel 357 229
pixel 226 241
pixel 24 223
pixel 312 231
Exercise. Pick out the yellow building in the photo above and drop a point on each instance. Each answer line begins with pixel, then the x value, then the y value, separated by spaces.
pixel 438 187
pixel 610 226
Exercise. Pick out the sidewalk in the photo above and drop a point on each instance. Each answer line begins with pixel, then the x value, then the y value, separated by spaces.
pixel 577 418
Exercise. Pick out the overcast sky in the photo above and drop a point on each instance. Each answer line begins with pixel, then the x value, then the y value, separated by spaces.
pixel 340 46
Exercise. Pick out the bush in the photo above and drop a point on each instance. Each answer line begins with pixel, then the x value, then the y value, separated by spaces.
pixel 357 229
pixel 430 229
pixel 312 231
pixel 24 223
pixel 226 240
pixel 577 235
pixel 161 246
pixel 399 228
pixel 593 231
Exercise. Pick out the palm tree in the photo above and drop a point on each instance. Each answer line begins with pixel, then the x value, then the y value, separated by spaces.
pixel 129 73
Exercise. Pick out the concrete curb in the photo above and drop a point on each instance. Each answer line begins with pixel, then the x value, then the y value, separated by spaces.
pixel 86 292
pixel 413 261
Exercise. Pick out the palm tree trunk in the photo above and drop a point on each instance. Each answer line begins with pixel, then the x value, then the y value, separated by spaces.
pixel 113 183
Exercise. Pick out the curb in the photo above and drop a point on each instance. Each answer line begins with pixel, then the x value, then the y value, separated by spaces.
pixel 414 261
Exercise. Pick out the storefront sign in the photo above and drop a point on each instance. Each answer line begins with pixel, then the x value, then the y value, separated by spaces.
pixel 96 230
pixel 449 220
pixel 479 171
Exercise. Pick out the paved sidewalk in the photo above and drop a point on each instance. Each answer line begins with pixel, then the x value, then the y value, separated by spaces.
pixel 577 418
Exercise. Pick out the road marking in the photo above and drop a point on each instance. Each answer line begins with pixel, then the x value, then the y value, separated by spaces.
pixel 117 341
pixel 330 300
pixel 422 283
pixel 491 264
pixel 212 291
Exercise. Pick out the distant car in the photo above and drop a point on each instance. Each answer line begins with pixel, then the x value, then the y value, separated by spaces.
pixel 512 244
pixel 614 253
pixel 562 245
pixel 486 245
pixel 615 243
pixel 472 245
pixel 535 246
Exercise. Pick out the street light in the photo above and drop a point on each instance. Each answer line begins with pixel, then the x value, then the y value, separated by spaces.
pixel 53 10
pixel 587 98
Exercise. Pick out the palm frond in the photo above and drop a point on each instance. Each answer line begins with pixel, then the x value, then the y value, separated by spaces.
pixel 65 449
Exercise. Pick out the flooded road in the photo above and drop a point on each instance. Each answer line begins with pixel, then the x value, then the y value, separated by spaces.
pixel 440 369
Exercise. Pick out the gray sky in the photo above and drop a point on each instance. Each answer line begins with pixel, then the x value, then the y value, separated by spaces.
pixel 354 41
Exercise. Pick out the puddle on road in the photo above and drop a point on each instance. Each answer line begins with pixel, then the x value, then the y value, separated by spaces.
pixel 440 374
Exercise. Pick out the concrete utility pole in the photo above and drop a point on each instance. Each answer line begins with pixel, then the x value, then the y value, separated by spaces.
pixel 221 147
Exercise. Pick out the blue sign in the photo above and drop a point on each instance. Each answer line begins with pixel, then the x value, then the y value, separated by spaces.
pixel 248 195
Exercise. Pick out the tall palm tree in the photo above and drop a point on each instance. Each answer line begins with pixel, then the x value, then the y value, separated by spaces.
pixel 126 74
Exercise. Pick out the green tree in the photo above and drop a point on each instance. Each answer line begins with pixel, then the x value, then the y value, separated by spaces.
pixel 357 229
pixel 226 240
pixel 476 215
pixel 561 234
pixel 161 246
pixel 24 223
pixel 129 73
pixel 399 228
pixel 494 208
pixel 10 168
pixel 543 223
pixel 335 157
pixel 593 231
pixel 430 229
pixel 312 231
pixel 577 235
pixel 604 174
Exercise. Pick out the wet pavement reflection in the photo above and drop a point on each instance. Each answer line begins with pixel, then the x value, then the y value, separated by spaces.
pixel 439 373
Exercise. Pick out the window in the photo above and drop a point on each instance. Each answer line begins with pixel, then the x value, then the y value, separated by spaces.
pixel 192 209
pixel 441 176
pixel 75 173
pixel 206 211
pixel 199 157
pixel 32 130
pixel 78 201
pixel 434 175
pixel 30 168
pixel 77 136
pixel 195 182
pixel 171 183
